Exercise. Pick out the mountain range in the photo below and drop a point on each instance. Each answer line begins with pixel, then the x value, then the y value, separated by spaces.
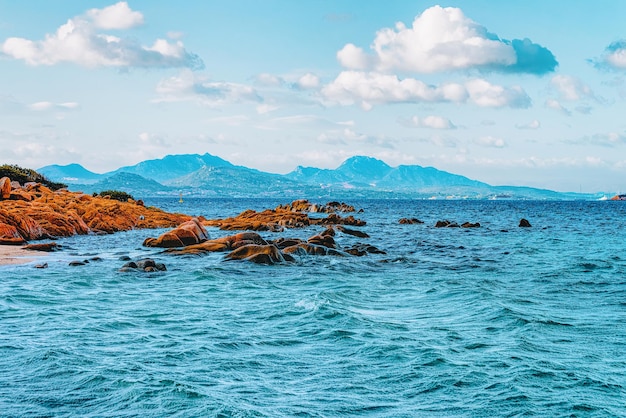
pixel 208 175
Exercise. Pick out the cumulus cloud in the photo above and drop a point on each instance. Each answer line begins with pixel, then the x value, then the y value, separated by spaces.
pixel 556 105
pixel 491 142
pixel 368 89
pixel 346 136
pixel 190 86
pixel 444 39
pixel 571 88
pixel 614 56
pixel 80 41
pixel 308 81
pixel 432 122
pixel 534 124
pixel 117 16
pixel 268 80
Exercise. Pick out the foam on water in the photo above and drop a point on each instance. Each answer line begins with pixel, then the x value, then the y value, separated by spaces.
pixel 494 321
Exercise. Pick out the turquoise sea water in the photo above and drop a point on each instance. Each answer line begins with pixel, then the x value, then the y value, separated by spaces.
pixel 494 321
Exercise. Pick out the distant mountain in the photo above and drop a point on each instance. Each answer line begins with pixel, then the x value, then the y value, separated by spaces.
pixel 134 184
pixel 357 177
pixel 173 166
pixel 367 172
pixel 234 180
pixel 70 174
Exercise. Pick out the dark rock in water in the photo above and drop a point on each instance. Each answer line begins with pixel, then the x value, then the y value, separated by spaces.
pixel 446 224
pixel 124 258
pixel 523 223
pixel 41 266
pixel 470 225
pixel 76 263
pixel 146 264
pixel 324 240
pixel 95 259
pixel 352 232
pixel 130 265
pixel 360 250
pixel 260 254
pixel 410 221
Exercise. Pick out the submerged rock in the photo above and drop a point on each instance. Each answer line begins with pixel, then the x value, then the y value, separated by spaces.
pixel 523 223
pixel 147 265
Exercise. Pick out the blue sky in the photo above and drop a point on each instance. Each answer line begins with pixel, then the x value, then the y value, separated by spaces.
pixel 511 93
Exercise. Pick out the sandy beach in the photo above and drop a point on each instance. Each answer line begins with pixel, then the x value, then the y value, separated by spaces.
pixel 10 254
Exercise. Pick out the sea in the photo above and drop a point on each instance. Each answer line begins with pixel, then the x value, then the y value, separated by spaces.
pixel 495 321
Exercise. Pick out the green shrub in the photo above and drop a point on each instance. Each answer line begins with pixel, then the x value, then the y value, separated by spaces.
pixel 117 195
pixel 25 175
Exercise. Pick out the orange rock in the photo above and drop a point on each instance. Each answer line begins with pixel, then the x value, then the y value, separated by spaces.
pixel 40 212
pixel 260 254
pixel 5 187
pixel 187 233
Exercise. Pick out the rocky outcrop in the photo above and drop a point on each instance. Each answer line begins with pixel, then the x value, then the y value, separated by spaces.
pixel 410 221
pixel 523 223
pixel 449 224
pixel 304 205
pixel 33 211
pixel 275 220
pixel 188 233
pixel 147 265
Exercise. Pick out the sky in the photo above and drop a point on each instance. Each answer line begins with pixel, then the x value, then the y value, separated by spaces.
pixel 523 93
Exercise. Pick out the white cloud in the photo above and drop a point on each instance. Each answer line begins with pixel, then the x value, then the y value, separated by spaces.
pixel 614 56
pixel 234 120
pixel 610 139
pixel 78 41
pixel 491 142
pixel 265 108
pixel 117 16
pixel 534 124
pixel 40 106
pixel 368 89
pixel 269 80
pixel 556 105
pixel 190 86
pixel 571 88
pixel 444 39
pixel 433 122
pixel 308 81
pixel 349 136
pixel 147 139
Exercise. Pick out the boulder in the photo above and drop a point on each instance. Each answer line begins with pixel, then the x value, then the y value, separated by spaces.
pixel 147 265
pixel 446 224
pixel 352 232
pixel 360 250
pixel 410 221
pixel 260 254
pixel 523 223
pixel 324 240
pixel 5 187
pixel 188 233
pixel 470 225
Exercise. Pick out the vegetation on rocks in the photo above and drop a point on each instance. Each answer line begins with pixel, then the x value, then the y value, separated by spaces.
pixel 116 195
pixel 26 175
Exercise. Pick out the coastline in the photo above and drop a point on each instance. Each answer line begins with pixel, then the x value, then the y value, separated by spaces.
pixel 14 255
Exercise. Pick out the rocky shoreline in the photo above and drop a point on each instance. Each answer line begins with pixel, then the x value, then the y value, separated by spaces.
pixel 33 212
